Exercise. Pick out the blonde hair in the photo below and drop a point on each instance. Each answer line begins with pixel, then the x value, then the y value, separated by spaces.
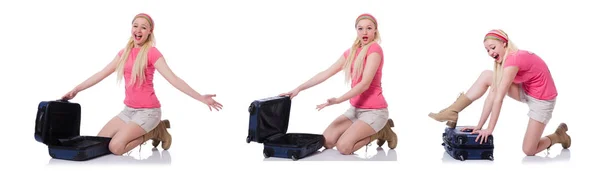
pixel 499 67
pixel 360 58
pixel 138 74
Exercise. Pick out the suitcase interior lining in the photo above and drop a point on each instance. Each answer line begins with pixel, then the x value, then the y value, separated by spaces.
pixel 295 140
pixel 83 142
pixel 64 121
pixel 274 118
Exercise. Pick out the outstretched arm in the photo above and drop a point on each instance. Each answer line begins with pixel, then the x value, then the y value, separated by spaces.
pixel 323 75
pixel 164 69
pixel 487 108
pixel 99 76
pixel 507 79
pixel 373 62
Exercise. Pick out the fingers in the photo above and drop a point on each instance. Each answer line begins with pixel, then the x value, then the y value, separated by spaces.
pixel 485 138
pixel 321 106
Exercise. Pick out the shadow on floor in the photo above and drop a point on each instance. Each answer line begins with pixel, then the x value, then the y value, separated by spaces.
pixel 156 158
pixel 334 155
pixel 563 156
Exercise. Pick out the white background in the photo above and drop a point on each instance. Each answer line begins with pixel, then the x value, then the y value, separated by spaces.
pixel 247 50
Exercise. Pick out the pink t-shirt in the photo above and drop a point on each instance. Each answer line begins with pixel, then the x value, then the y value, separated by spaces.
pixel 372 98
pixel 142 96
pixel 533 74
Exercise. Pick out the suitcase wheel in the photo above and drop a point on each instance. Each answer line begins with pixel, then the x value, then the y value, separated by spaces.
pixel 294 157
pixel 462 157
pixel 248 139
pixel 266 153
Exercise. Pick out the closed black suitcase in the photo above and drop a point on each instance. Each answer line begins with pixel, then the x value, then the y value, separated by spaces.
pixel 57 125
pixel 269 119
pixel 461 145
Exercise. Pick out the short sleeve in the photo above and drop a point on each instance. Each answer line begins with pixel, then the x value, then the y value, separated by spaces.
pixel 511 60
pixel 120 52
pixel 346 53
pixel 375 48
pixel 153 55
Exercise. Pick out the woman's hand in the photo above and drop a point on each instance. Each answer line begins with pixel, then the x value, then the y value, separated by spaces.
pixel 292 93
pixel 210 102
pixel 70 95
pixel 329 102
pixel 470 129
pixel 483 135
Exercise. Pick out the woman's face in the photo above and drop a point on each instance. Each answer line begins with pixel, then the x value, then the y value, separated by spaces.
pixel 140 31
pixel 365 30
pixel 495 49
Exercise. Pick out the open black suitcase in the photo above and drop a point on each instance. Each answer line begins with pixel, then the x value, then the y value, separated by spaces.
pixel 461 145
pixel 57 125
pixel 269 119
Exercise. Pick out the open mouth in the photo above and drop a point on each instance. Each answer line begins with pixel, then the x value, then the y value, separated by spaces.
pixel 138 37
pixel 365 38
pixel 496 56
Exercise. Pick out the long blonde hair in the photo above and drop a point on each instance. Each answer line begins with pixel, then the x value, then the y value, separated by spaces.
pixel 501 36
pixel 360 58
pixel 138 74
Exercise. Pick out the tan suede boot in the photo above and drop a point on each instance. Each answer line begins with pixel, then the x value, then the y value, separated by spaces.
pixel 450 114
pixel 156 141
pixel 386 134
pixel 560 136
pixel 160 134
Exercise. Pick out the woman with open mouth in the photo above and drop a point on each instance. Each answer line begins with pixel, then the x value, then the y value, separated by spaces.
pixel 523 76
pixel 367 119
pixel 140 120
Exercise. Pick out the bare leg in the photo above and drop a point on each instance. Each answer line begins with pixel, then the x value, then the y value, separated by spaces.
pixel 357 136
pixel 481 85
pixel 333 132
pixel 532 143
pixel 111 128
pixel 126 139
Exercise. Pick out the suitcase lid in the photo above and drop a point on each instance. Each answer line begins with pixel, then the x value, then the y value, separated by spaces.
pixel 273 116
pixel 59 119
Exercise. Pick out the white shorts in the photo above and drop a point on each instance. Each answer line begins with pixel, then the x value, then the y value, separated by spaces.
pixel 376 118
pixel 539 110
pixel 148 119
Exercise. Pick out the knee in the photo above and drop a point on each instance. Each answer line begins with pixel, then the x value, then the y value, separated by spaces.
pixel 487 74
pixel 116 147
pixel 345 148
pixel 529 151
pixel 329 143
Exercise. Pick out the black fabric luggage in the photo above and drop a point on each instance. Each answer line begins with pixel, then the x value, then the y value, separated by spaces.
pixel 461 145
pixel 57 125
pixel 269 119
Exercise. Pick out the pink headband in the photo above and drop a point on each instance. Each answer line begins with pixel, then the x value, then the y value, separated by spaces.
pixel 148 18
pixel 496 34
pixel 366 16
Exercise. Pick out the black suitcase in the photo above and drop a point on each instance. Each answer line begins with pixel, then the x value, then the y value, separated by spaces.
pixel 57 125
pixel 461 145
pixel 269 119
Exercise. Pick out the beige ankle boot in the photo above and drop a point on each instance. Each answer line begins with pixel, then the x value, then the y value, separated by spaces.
pixel 560 136
pixel 450 114
pixel 156 141
pixel 160 134
pixel 386 134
